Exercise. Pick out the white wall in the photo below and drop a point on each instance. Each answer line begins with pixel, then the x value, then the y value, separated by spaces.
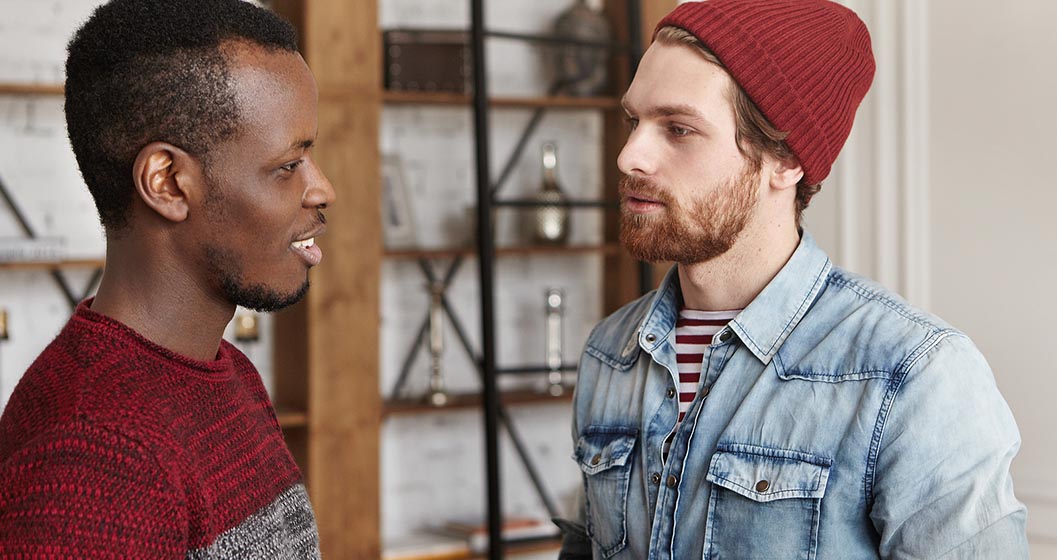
pixel 993 223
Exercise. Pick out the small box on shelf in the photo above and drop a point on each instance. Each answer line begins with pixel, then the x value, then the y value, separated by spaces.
pixel 427 60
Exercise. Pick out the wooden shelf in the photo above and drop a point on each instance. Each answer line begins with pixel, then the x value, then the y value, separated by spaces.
pixel 30 89
pixel 292 418
pixel 51 265
pixel 451 548
pixel 470 400
pixel 606 249
pixel 445 98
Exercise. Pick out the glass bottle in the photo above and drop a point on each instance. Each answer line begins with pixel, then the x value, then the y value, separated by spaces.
pixel 550 223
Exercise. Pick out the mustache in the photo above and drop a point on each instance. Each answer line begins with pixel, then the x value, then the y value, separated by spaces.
pixel 643 187
pixel 321 217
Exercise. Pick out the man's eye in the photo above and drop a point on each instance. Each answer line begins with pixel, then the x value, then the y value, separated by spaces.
pixel 631 122
pixel 290 167
pixel 678 131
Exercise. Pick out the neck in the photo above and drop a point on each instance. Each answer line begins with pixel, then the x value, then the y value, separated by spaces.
pixel 156 298
pixel 733 279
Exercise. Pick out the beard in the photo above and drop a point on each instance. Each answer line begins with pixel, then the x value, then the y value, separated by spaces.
pixel 258 297
pixel 706 227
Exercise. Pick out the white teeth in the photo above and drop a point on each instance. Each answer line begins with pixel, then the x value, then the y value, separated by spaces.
pixel 304 244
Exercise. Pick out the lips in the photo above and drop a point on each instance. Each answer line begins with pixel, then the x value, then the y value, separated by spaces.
pixel 641 204
pixel 307 249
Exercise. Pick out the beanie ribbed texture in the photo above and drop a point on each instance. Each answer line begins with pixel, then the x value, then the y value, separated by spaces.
pixel 807 64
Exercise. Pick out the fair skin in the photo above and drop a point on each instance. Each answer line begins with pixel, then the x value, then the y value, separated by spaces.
pixel 253 211
pixel 683 143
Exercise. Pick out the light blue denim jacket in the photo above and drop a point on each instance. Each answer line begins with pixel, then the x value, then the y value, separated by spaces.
pixel 835 421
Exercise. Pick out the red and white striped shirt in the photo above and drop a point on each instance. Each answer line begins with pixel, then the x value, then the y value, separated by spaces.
pixel 693 333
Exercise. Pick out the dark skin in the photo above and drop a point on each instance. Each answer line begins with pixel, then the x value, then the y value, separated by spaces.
pixel 246 217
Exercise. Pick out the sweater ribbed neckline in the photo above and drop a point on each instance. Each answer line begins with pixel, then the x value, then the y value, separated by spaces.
pixel 219 369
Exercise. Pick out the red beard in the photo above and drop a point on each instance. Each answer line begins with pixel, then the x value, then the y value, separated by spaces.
pixel 701 229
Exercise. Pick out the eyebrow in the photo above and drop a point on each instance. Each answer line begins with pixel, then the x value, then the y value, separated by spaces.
pixel 676 109
pixel 302 144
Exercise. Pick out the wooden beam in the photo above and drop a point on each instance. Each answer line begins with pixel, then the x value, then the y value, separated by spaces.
pixel 339 319
pixel 622 272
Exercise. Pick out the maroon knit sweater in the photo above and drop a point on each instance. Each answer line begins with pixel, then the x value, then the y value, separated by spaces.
pixel 114 447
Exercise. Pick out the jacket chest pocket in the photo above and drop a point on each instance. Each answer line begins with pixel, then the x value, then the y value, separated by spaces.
pixel 604 455
pixel 764 504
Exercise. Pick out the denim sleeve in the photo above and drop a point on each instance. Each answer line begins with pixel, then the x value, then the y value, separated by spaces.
pixel 941 486
pixel 576 545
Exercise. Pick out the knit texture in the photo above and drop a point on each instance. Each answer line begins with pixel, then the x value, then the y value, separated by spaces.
pixel 807 64
pixel 114 447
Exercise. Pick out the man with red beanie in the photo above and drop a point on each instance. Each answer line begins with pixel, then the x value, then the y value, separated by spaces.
pixel 763 403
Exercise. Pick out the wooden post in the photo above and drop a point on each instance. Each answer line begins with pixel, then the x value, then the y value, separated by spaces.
pixel 335 335
pixel 622 275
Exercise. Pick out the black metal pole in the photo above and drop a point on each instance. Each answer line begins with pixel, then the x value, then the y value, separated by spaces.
pixel 486 265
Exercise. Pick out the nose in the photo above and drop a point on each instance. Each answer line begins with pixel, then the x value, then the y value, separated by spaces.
pixel 635 157
pixel 319 193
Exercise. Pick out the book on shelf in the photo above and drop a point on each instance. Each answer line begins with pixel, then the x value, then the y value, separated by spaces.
pixel 27 249
pixel 515 530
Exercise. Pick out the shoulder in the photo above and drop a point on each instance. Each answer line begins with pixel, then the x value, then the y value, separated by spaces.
pixel 857 329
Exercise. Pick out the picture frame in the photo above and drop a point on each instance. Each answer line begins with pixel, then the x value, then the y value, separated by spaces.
pixel 398 224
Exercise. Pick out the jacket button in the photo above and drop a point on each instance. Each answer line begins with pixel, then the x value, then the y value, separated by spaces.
pixel 762 486
pixel 655 478
pixel 672 481
pixel 671 392
pixel 706 390
pixel 596 459
pixel 651 338
pixel 725 336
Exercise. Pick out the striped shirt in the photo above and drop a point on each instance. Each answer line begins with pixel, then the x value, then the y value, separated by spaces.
pixel 693 333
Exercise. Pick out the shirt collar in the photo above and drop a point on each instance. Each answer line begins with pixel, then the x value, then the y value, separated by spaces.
pixel 766 323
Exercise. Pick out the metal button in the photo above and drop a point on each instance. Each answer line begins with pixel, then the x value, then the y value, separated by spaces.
pixel 762 486
pixel 651 338
pixel 655 478
pixel 725 336
pixel 671 392
pixel 596 459
pixel 706 390
pixel 672 481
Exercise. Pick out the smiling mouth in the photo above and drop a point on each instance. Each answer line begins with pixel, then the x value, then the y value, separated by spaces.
pixel 308 251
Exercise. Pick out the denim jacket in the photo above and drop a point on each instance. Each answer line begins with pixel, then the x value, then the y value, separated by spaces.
pixel 834 422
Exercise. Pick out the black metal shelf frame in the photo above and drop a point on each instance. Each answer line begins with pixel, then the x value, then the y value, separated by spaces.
pixel 486 201
pixel 72 298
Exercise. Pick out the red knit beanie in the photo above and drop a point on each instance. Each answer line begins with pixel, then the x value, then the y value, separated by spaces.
pixel 806 64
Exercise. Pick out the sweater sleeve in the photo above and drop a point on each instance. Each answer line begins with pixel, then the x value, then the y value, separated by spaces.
pixel 82 491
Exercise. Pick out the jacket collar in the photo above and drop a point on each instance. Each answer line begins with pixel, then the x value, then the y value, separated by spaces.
pixel 766 323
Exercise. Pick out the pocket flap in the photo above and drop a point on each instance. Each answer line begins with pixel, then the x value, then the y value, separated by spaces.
pixel 770 475
pixel 603 447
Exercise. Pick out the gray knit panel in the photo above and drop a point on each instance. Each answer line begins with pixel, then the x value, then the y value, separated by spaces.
pixel 285 528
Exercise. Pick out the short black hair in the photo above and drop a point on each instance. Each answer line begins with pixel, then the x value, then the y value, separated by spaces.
pixel 140 71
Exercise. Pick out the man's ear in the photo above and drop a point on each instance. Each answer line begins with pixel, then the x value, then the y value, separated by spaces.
pixel 786 173
pixel 167 179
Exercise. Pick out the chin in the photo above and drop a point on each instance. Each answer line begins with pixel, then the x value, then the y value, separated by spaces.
pixel 265 299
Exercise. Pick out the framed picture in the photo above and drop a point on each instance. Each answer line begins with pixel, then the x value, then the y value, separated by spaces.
pixel 398 224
